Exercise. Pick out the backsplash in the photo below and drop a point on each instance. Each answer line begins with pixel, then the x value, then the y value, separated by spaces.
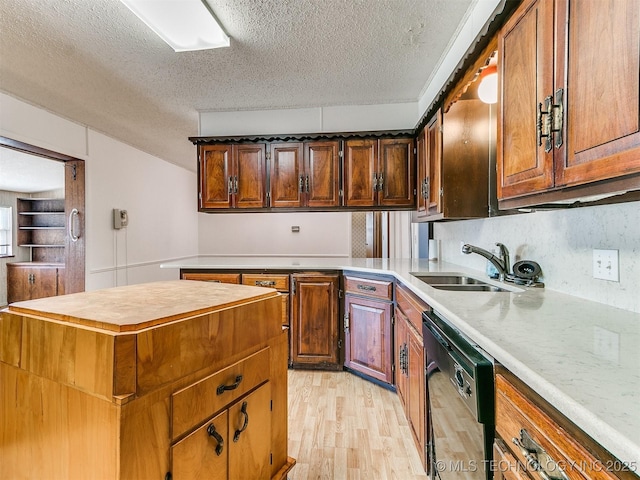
pixel 562 242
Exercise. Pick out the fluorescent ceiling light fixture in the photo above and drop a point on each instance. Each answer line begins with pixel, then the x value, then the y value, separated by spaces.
pixel 184 24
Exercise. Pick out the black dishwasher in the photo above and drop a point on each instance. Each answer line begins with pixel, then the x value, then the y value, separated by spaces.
pixel 460 422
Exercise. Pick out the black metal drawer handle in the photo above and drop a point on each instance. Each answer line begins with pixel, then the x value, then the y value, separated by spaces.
pixel 265 283
pixel 211 430
pixel 368 288
pixel 243 410
pixel 222 388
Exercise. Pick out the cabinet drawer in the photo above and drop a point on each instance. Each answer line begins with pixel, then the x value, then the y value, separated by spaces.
pixel 213 277
pixel 411 306
pixel 279 282
pixel 369 287
pixel 518 418
pixel 195 403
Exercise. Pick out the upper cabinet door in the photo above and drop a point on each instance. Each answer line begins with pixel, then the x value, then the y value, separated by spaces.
pixel 250 178
pixel 421 160
pixel 433 165
pixel 396 176
pixel 216 182
pixel 287 179
pixel 321 174
pixel 525 56
pixel 361 176
pixel 601 55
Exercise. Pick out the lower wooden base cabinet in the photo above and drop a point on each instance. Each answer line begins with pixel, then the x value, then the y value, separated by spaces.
pixel 368 311
pixel 410 366
pixel 234 444
pixel 533 440
pixel 31 280
pixel 314 321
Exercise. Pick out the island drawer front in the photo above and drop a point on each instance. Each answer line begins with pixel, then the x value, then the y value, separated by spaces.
pixel 515 413
pixel 197 402
pixel 213 277
pixel 278 281
pixel 369 287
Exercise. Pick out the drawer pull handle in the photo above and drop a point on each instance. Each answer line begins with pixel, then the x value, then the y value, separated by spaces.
pixel 265 283
pixel 211 430
pixel 532 451
pixel 243 410
pixel 368 288
pixel 222 388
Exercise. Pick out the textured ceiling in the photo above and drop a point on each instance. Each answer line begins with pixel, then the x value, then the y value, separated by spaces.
pixel 94 62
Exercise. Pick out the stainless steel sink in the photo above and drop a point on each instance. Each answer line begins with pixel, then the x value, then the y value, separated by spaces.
pixel 459 283
pixel 449 280
pixel 471 288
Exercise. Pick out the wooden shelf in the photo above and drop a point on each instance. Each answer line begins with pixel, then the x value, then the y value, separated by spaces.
pixel 42 228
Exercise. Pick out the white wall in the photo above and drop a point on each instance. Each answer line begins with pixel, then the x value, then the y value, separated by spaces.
pixel 269 234
pixel 160 197
pixel 562 242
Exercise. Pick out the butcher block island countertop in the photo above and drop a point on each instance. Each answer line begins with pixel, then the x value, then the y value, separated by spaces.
pixel 145 381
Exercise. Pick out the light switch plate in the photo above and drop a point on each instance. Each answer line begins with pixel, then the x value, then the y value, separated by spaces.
pixel 605 265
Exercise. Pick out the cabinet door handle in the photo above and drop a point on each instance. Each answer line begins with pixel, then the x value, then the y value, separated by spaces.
pixel 230 185
pixel 211 430
pixel 300 183
pixel 243 410
pixel 265 283
pixel 74 214
pixel 426 188
pixel 223 388
pixel 380 182
pixel 530 450
pixel 306 183
pixel 235 185
pixel 375 182
pixel 543 125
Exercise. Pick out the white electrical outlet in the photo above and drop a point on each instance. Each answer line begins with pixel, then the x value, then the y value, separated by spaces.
pixel 605 265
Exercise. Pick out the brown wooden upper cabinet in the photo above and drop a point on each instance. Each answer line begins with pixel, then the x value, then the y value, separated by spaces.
pixel 305 174
pixel 570 97
pixel 379 172
pixel 429 152
pixel 232 176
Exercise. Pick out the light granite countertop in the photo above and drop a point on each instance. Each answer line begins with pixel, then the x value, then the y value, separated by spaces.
pixel 583 357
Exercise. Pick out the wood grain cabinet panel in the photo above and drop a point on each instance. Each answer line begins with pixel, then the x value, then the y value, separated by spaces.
pixel 379 172
pixel 233 278
pixel 570 99
pixel 322 173
pixel 232 176
pixel 314 320
pixel 305 174
pixel 29 280
pixel 287 179
pixel 368 337
pixel 409 359
pixel 368 311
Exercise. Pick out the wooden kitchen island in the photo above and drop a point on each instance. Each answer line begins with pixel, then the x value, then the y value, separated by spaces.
pixel 167 380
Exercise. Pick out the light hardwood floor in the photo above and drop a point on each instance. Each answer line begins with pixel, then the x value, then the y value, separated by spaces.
pixel 344 427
